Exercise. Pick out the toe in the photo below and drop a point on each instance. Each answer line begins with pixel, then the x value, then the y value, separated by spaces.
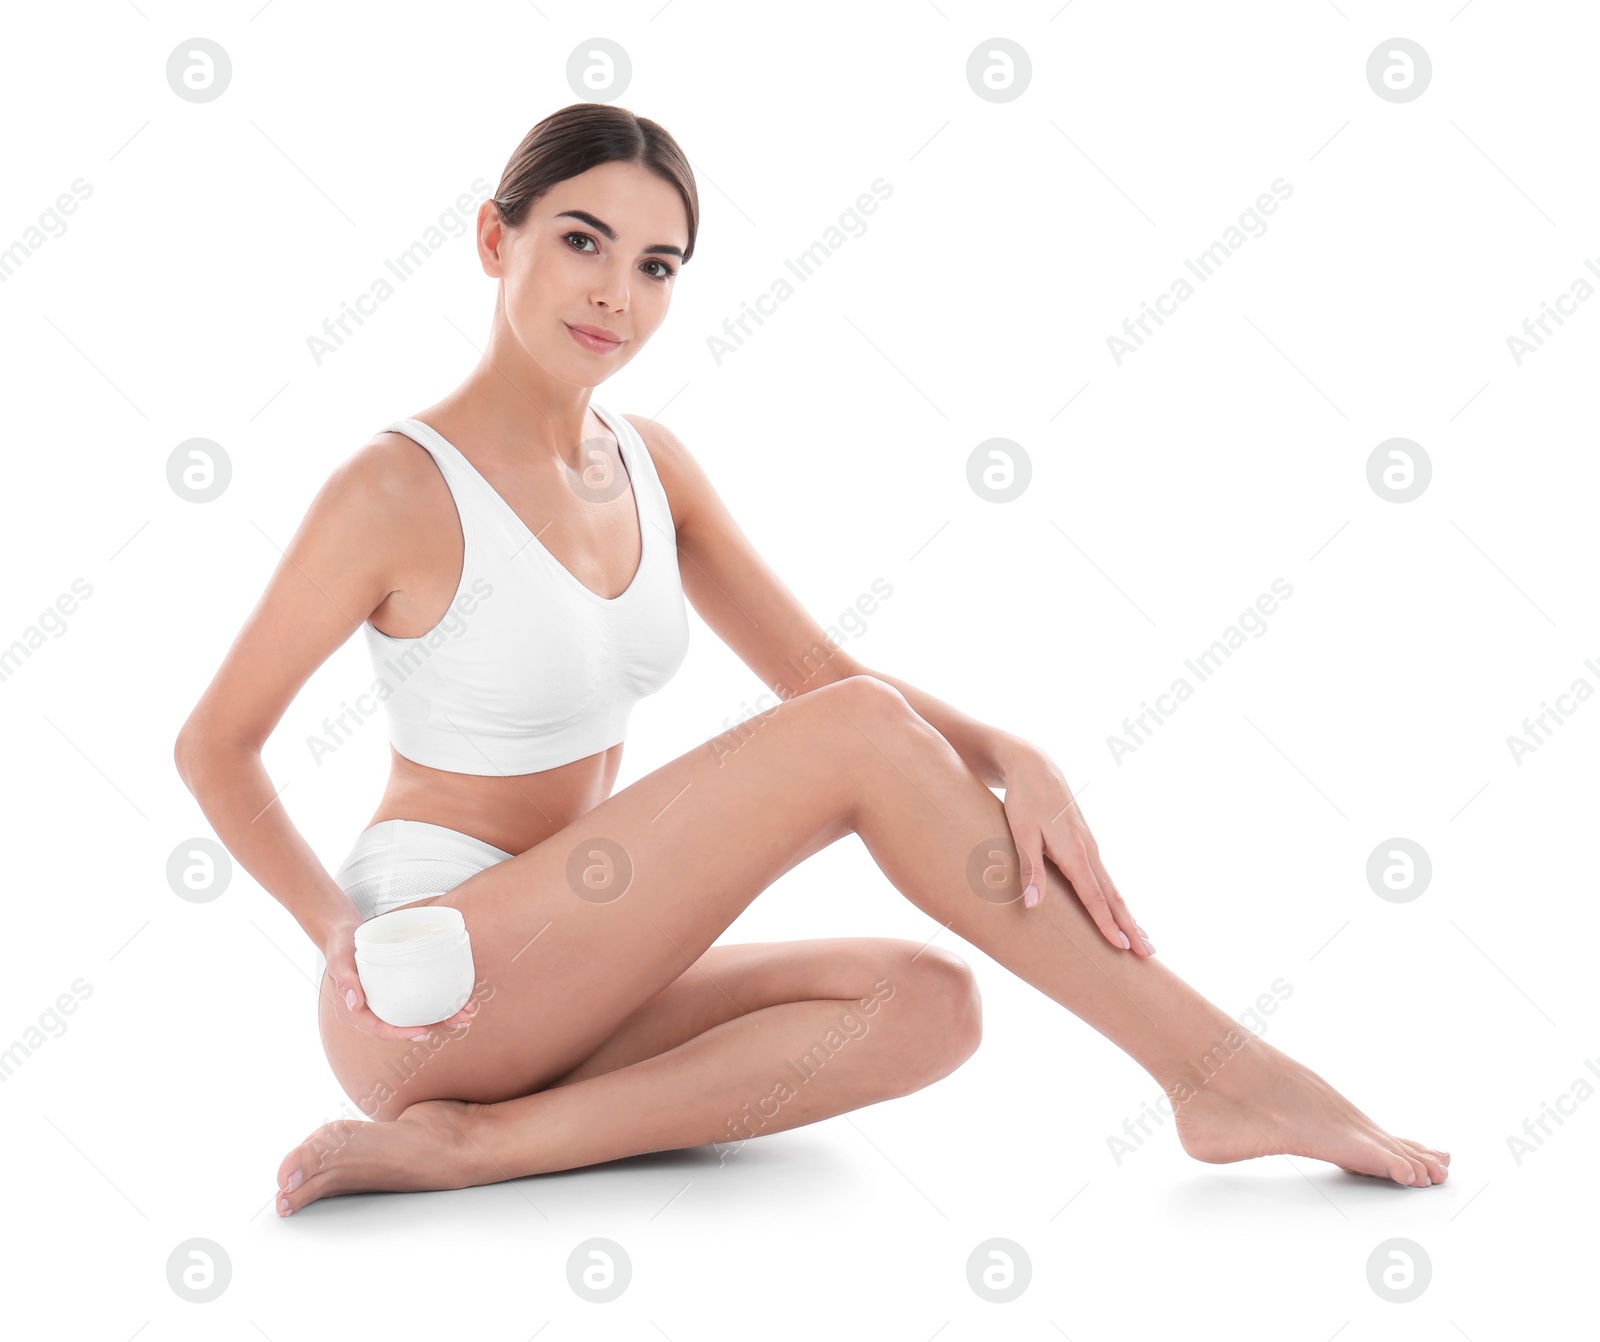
pixel 288 1203
pixel 1402 1169
pixel 1437 1163
pixel 292 1170
pixel 307 1161
pixel 1378 1161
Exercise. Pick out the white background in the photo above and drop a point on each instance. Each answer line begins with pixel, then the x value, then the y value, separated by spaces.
pixel 1167 494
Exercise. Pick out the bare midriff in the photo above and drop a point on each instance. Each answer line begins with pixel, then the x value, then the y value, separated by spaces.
pixel 513 812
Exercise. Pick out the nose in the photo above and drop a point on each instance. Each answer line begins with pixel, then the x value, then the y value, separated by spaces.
pixel 611 293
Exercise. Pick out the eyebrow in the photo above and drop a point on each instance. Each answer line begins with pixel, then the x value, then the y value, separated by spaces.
pixel 600 226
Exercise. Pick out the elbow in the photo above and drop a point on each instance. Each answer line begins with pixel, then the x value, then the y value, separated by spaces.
pixel 190 751
pixel 183 755
pixel 201 743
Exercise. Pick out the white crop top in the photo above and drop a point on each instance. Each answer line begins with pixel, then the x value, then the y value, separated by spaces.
pixel 530 669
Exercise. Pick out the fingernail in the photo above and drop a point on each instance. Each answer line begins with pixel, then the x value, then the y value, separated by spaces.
pixel 1126 944
pixel 1150 945
pixel 1030 896
pixel 283 1205
pixel 295 1180
pixel 416 1037
pixel 350 998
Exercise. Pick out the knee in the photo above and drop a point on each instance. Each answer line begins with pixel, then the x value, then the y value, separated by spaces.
pixel 949 1009
pixel 865 700
pixel 963 1005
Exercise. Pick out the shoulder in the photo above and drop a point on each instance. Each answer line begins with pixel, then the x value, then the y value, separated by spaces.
pixel 391 477
pixel 381 496
pixel 679 472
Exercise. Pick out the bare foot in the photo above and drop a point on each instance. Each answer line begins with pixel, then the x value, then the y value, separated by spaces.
pixel 1269 1104
pixel 427 1147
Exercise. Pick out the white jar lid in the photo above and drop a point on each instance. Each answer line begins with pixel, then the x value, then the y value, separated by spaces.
pixel 409 935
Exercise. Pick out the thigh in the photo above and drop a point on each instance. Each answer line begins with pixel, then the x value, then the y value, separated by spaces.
pixel 733 979
pixel 572 937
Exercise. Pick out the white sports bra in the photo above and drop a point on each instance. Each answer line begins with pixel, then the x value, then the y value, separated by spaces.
pixel 529 669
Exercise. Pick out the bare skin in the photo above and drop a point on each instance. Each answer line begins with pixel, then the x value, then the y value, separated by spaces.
pixel 610 1026
pixel 523 1090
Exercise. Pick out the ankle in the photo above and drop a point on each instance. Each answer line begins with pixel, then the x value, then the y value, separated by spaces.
pixel 461 1138
pixel 483 1150
pixel 1243 1070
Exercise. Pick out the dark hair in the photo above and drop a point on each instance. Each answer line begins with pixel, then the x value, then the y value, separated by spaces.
pixel 583 136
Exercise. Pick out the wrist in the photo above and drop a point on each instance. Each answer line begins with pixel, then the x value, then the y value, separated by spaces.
pixel 334 921
pixel 1007 755
pixel 1017 759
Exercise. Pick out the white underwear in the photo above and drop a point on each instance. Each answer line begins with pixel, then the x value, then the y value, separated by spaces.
pixel 397 861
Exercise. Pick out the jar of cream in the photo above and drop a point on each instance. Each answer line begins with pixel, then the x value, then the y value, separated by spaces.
pixel 415 965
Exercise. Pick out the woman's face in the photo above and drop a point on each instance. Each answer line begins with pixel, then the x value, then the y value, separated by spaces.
pixel 600 250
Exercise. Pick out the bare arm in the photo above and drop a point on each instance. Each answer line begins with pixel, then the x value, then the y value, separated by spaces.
pixel 751 609
pixel 336 570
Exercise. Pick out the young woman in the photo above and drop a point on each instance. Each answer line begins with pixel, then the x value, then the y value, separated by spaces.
pixel 518 558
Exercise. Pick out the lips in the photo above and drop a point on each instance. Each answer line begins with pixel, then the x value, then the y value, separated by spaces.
pixel 595 332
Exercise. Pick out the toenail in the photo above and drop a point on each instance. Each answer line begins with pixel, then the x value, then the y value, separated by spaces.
pixel 294 1180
